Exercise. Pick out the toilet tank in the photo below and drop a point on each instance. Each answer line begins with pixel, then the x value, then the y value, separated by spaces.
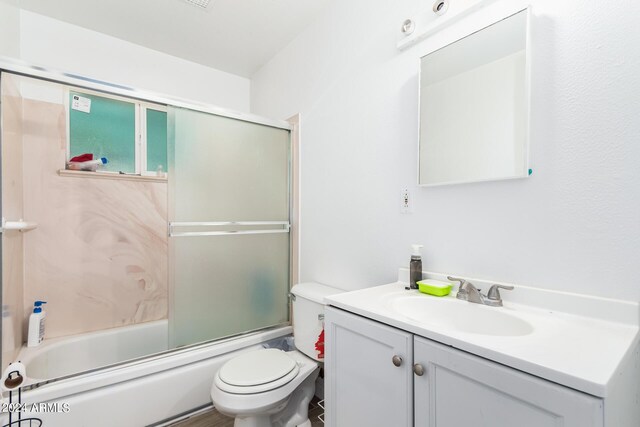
pixel 308 315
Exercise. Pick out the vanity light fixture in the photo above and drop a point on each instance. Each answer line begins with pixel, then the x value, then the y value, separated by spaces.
pixel 440 7
pixel 407 27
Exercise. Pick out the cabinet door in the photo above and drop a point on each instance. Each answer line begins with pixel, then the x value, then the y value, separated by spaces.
pixel 363 385
pixel 459 389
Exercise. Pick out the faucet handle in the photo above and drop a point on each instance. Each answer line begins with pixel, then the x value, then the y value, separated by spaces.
pixel 462 282
pixel 494 292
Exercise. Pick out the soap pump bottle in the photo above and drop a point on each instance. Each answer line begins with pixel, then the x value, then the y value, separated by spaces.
pixel 415 267
pixel 36 324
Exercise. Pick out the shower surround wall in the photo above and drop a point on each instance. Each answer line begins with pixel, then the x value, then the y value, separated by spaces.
pixel 99 254
pixel 12 241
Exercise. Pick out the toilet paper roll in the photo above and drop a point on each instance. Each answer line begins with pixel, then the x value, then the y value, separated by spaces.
pixel 13 377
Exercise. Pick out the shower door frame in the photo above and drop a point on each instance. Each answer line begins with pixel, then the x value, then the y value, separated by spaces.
pixel 183 229
pixel 22 68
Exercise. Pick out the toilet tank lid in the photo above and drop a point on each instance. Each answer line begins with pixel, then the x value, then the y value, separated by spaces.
pixel 314 291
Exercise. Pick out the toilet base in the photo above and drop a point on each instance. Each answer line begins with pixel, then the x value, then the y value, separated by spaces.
pixel 296 414
pixel 262 422
pixel 254 421
pixel 292 412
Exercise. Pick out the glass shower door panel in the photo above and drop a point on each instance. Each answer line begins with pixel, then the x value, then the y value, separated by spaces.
pixel 229 215
pixel 226 169
pixel 226 285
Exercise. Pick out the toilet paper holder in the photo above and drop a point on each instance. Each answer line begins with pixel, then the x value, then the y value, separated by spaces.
pixel 13 377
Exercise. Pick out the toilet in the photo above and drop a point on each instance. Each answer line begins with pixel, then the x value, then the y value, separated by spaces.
pixel 271 387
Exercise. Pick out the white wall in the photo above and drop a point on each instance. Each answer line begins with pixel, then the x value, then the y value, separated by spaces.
pixel 58 45
pixel 9 30
pixel 574 225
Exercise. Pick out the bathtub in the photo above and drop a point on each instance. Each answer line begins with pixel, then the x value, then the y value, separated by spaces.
pixel 144 392
pixel 61 357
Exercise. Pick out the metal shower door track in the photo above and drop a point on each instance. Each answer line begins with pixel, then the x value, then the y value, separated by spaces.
pixel 237 225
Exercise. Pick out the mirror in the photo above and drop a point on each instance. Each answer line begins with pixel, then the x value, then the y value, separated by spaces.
pixel 474 106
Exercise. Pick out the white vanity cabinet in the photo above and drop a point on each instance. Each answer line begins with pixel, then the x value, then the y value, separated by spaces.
pixel 460 389
pixel 364 387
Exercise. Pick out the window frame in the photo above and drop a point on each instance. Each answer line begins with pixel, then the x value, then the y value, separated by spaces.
pixel 141 109
pixel 140 127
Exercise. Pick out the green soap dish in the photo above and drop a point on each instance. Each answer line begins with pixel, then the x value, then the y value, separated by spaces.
pixel 434 287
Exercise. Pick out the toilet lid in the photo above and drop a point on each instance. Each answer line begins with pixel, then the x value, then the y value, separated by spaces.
pixel 257 367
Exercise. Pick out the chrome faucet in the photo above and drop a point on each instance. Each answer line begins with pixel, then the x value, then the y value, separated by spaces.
pixel 468 292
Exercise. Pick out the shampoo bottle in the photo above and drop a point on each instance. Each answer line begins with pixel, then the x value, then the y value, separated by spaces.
pixel 36 324
pixel 415 267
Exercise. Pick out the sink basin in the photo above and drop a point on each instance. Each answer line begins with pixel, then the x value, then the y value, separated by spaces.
pixel 462 316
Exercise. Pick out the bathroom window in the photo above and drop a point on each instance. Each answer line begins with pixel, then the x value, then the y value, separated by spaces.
pixel 132 135
pixel 156 138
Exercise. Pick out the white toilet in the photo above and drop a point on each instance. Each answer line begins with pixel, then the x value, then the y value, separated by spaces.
pixel 271 387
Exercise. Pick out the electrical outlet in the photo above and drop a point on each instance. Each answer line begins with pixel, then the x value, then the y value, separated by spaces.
pixel 405 201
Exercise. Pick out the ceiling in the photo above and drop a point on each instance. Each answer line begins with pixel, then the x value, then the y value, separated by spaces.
pixel 237 36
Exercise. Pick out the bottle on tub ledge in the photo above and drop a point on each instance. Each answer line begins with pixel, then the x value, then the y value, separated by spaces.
pixel 36 324
pixel 415 267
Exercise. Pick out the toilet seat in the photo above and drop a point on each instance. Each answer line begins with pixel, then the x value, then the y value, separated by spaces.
pixel 256 372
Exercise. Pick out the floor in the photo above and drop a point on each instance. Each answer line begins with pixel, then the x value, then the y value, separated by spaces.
pixel 214 418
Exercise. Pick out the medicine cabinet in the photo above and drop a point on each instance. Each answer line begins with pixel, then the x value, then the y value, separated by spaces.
pixel 474 106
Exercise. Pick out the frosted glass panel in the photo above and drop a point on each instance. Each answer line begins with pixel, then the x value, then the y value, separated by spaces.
pixel 226 285
pixel 156 140
pixel 226 170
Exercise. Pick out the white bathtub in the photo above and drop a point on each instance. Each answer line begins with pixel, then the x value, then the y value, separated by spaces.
pixel 60 357
pixel 135 394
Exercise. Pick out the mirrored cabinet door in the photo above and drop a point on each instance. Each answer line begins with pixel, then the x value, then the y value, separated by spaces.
pixel 474 106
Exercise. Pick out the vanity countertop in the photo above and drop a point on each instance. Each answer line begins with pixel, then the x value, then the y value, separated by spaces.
pixel 569 348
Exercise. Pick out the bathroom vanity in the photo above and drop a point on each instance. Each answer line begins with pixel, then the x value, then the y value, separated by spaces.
pixel 397 357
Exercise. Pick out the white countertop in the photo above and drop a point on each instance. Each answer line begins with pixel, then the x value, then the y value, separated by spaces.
pixel 577 351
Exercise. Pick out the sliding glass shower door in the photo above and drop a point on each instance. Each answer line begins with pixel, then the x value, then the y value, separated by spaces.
pixel 228 226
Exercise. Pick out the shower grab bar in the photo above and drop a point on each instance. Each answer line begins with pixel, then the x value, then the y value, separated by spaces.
pixel 173 233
